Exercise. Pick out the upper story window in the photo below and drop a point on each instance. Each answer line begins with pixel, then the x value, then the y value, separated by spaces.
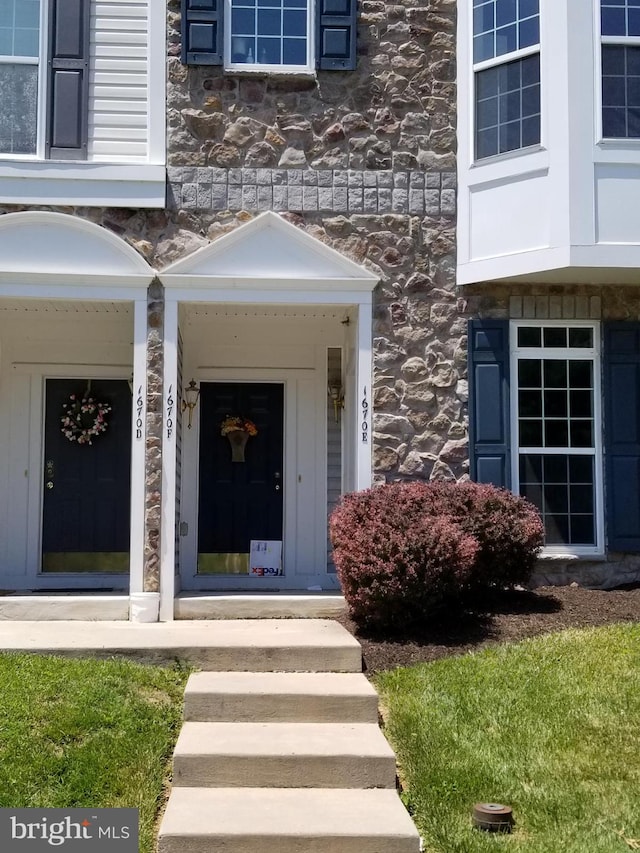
pixel 270 35
pixel 506 64
pixel 43 89
pixel 19 70
pixel 620 29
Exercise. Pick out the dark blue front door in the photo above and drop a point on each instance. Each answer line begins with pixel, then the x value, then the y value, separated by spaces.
pixel 86 501
pixel 239 501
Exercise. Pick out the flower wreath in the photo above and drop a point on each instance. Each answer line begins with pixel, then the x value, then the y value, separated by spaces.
pixel 233 423
pixel 83 418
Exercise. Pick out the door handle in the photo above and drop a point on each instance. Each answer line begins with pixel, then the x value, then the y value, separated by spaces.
pixel 276 477
pixel 49 470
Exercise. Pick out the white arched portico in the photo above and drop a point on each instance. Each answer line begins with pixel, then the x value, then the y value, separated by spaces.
pixel 73 300
pixel 263 305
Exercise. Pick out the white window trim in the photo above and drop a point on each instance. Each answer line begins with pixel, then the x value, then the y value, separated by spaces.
pixel 629 41
pixel 503 59
pixel 41 108
pixel 593 354
pixel 264 68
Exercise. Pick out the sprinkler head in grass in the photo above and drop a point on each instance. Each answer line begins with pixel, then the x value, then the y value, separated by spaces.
pixel 492 817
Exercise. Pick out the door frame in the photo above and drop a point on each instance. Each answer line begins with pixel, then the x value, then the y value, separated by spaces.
pixel 37 375
pixel 291 516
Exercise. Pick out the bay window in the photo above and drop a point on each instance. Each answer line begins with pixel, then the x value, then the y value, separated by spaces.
pixel 620 33
pixel 506 67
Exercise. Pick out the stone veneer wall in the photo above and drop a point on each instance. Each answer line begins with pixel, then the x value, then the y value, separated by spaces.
pixel 565 302
pixel 365 161
pixel 362 160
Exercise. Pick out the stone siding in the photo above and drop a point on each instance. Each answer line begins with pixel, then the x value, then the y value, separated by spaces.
pixel 311 190
pixel 364 161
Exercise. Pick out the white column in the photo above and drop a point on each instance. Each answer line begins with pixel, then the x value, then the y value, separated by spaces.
pixel 138 598
pixel 170 417
pixel 364 398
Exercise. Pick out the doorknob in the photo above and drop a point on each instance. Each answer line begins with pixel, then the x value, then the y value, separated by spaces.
pixel 49 472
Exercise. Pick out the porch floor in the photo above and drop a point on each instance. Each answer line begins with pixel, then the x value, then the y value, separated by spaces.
pixel 101 606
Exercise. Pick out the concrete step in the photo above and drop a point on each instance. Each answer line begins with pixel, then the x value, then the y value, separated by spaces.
pixel 273 820
pixel 255 605
pixel 269 645
pixel 283 755
pixel 280 697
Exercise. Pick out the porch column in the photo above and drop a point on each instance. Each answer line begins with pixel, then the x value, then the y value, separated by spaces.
pixel 145 605
pixel 171 398
pixel 138 598
pixel 364 398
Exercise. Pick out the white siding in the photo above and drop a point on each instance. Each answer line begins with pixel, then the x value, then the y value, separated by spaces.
pixel 334 448
pixel 178 421
pixel 119 95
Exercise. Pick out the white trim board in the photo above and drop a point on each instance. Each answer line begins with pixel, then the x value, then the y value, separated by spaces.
pixel 66 245
pixel 266 250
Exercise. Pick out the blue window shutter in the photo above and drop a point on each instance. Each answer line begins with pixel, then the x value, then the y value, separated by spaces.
pixel 336 34
pixel 489 402
pixel 202 32
pixel 68 73
pixel 621 373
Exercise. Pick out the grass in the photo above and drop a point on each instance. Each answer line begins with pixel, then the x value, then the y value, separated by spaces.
pixel 549 726
pixel 87 733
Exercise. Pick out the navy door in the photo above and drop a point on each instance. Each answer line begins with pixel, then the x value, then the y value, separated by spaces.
pixel 239 501
pixel 85 525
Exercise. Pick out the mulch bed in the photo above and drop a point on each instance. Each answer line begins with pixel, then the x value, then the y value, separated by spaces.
pixel 508 617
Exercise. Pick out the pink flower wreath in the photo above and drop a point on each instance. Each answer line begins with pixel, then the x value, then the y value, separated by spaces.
pixel 83 418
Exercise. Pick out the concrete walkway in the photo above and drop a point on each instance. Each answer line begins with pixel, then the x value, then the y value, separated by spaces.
pixel 280 751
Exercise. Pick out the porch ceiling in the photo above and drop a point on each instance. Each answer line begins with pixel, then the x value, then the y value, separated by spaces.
pixel 12 307
pixel 200 310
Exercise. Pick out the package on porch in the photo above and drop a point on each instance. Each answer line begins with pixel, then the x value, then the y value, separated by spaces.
pixel 265 558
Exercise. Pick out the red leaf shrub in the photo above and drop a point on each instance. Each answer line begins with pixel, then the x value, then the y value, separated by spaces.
pixel 405 550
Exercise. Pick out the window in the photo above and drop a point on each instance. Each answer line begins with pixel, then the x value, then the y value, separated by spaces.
pixel 556 426
pixel 19 69
pixel 620 29
pixel 27 82
pixel 506 64
pixel 270 35
pixel 554 416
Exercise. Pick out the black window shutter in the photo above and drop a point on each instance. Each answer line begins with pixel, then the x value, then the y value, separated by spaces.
pixel 336 34
pixel 489 402
pixel 621 380
pixel 202 32
pixel 68 78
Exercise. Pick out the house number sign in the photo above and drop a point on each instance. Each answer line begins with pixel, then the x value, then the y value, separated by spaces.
pixel 139 408
pixel 364 427
pixel 170 407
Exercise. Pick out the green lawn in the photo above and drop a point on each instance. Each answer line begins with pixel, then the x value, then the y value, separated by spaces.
pixel 87 733
pixel 549 726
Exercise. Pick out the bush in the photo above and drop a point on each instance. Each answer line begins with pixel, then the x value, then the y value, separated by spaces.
pixel 404 551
